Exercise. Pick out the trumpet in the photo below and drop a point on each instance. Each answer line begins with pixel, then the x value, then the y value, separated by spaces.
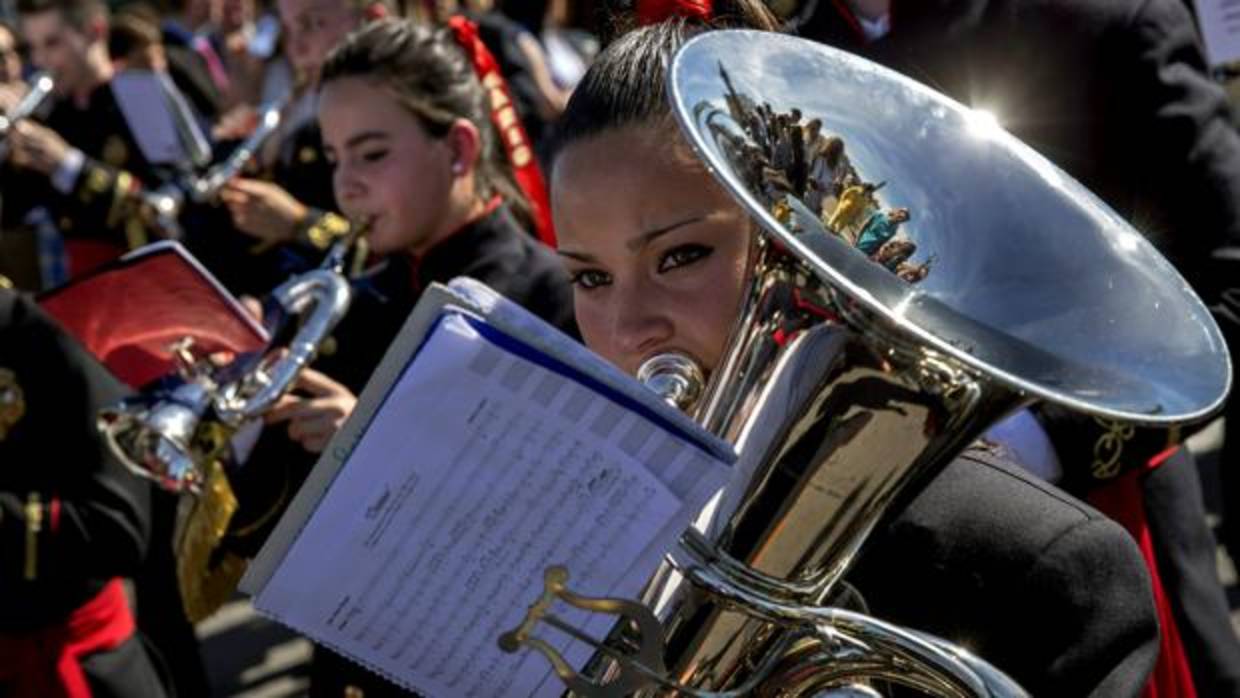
pixel 40 88
pixel 41 85
pixel 178 433
pixel 846 385
pixel 163 206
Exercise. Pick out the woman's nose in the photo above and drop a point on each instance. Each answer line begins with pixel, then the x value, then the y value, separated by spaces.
pixel 349 187
pixel 641 324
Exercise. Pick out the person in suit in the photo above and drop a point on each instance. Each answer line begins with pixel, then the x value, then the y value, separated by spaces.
pixel 1117 93
pixel 73 521
pixel 92 165
pixel 657 253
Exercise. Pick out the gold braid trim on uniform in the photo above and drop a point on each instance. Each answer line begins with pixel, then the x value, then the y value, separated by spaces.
pixel 1109 447
pixel 34 524
pixel 322 228
pixel 93 183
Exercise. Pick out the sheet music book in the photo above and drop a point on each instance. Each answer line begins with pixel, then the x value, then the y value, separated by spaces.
pixel 1219 21
pixel 147 110
pixel 129 312
pixel 486 448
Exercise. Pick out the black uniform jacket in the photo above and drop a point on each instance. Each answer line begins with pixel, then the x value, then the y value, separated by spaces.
pixel 103 204
pixel 1022 574
pixel 54 450
pixel 93 517
pixel 1114 91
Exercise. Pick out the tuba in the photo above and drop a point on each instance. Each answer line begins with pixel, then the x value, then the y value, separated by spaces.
pixel 178 433
pixel 864 360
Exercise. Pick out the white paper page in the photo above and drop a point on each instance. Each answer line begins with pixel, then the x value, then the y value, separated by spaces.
pixel 141 99
pixel 1220 28
pixel 480 470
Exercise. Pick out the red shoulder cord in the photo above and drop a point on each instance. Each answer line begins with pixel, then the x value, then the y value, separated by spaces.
pixel 508 125
pixel 655 11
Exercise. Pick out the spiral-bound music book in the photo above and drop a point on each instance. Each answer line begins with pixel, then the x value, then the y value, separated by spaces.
pixel 487 448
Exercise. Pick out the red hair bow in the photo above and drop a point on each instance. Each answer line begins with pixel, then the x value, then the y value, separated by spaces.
pixel 655 11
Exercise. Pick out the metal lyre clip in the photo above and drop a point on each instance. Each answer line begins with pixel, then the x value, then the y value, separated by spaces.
pixel 642 669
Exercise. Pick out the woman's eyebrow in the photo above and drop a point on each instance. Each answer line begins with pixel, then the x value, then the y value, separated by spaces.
pixel 650 236
pixel 579 256
pixel 360 138
pixel 637 242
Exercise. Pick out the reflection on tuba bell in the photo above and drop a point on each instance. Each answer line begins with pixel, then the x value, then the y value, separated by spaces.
pixel 863 362
pixel 178 433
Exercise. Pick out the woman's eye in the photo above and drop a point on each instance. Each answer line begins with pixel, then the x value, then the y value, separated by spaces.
pixel 682 255
pixel 589 279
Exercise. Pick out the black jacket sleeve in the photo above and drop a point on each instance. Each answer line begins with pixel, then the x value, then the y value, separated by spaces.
pixel 1020 573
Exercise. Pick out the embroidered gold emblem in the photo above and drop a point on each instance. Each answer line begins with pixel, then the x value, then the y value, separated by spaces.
pixel 12 402
pixel 307 155
pixel 115 152
pixel 1109 447
pixel 5 282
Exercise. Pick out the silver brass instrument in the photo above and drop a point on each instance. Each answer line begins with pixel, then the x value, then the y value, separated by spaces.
pixel 164 204
pixel 41 85
pixel 178 433
pixel 40 89
pixel 848 381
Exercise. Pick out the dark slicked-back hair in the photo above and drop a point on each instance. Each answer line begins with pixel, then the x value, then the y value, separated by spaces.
pixel 626 84
pixel 77 13
pixel 428 73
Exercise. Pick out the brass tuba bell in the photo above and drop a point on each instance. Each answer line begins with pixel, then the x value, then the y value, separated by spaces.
pixel 858 370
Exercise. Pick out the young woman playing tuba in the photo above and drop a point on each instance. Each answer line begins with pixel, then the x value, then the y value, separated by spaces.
pixel 1043 586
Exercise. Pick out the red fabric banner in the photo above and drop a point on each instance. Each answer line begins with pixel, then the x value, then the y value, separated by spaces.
pixel 512 135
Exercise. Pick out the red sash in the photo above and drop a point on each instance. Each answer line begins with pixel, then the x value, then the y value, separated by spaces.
pixel 1122 500
pixel 46 663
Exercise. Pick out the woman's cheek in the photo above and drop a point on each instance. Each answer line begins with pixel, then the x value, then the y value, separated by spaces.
pixel 593 325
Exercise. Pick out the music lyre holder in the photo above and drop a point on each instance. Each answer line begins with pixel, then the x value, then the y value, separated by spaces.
pixel 640 670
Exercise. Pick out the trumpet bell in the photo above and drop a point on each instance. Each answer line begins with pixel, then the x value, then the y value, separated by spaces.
pixel 1027 270
pixel 152 435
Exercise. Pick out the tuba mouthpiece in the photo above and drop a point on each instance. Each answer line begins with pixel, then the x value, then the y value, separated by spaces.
pixel 674 377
